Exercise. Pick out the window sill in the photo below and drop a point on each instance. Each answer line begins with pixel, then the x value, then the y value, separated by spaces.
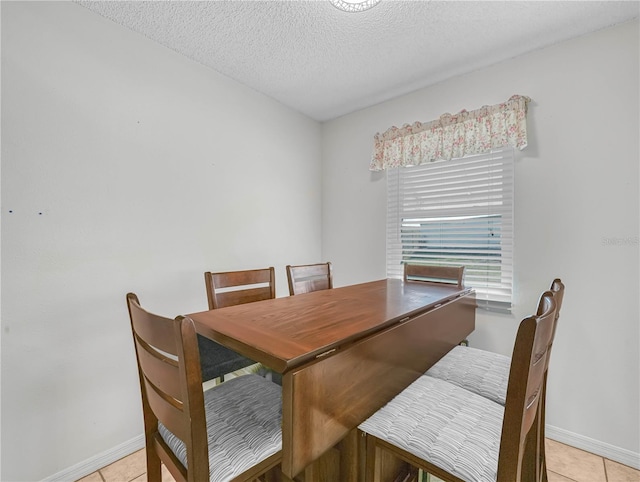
pixel 494 306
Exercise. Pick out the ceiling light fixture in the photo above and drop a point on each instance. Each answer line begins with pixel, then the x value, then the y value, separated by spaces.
pixel 354 5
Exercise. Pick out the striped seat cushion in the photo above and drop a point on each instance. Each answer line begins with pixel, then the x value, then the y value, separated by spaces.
pixel 244 417
pixel 217 360
pixel 479 371
pixel 445 425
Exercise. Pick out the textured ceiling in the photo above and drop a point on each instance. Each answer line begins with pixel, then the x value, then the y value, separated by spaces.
pixel 325 63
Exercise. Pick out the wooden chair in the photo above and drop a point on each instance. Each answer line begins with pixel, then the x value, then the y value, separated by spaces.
pixel 458 435
pixel 231 432
pixel 309 277
pixel 557 288
pixel 228 289
pixel 487 373
pixel 434 274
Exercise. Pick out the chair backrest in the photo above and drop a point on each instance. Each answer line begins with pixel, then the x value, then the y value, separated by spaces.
pixel 171 386
pixel 238 287
pixel 525 389
pixel 434 274
pixel 309 277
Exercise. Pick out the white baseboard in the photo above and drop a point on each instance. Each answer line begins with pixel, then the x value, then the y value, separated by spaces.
pixel 611 452
pixel 99 461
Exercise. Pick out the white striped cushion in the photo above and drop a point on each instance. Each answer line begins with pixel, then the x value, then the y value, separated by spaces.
pixel 244 417
pixel 479 371
pixel 445 425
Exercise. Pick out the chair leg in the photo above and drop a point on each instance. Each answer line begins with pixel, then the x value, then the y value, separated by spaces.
pixel 372 463
pixel 542 459
pixel 533 459
pixel 384 466
pixel 154 465
pixel 529 464
pixel 543 476
pixel 273 475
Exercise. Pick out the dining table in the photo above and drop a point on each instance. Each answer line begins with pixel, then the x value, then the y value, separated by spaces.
pixel 343 353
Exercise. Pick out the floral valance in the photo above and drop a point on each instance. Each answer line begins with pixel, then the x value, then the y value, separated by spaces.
pixel 453 136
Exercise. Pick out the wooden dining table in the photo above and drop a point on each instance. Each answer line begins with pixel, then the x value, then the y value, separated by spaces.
pixel 343 353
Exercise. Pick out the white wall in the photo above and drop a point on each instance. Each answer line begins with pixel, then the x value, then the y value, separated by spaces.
pixel 125 167
pixel 576 196
pixel 139 162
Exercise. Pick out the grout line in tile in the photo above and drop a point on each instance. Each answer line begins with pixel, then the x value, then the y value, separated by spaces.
pixel 619 463
pixel 562 475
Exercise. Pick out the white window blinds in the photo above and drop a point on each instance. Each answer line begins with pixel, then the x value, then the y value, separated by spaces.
pixel 456 212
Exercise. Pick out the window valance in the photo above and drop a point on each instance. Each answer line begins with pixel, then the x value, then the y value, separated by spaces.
pixel 453 136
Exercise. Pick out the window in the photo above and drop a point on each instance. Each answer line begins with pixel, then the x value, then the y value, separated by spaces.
pixel 456 212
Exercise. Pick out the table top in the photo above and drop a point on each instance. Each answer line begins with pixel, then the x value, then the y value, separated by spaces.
pixel 284 333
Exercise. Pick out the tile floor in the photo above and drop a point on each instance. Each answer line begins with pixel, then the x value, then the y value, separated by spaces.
pixel 565 464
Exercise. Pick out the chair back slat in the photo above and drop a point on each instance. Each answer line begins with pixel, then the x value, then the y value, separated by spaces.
pixel 309 285
pixel 157 331
pixel 160 369
pixel 238 287
pixel 434 274
pixel 241 278
pixel 309 277
pixel 170 412
pixel 240 297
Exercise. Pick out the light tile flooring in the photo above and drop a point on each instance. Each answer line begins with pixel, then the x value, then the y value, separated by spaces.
pixel 564 463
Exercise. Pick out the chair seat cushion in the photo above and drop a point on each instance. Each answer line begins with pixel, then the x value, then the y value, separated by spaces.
pixel 244 417
pixel 217 360
pixel 479 371
pixel 445 425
